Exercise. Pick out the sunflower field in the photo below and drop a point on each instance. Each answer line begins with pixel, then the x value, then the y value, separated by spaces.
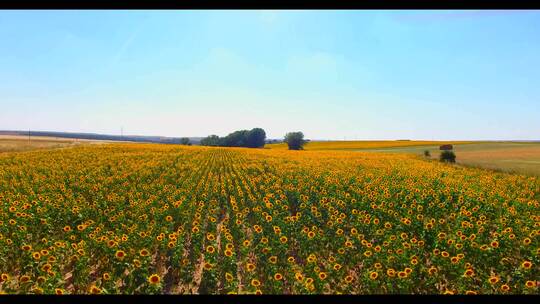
pixel 165 219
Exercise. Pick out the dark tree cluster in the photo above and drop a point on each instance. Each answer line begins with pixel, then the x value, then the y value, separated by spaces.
pixel 254 138
pixel 295 140
pixel 185 141
pixel 447 156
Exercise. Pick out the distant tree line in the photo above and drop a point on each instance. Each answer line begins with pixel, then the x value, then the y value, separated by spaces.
pixel 254 138
pixel 94 136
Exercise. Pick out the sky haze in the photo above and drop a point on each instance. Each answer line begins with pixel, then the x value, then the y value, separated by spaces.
pixel 434 75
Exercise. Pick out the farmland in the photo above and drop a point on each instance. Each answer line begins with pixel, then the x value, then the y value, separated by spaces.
pixel 13 143
pixel 134 218
pixel 513 157
pixel 365 144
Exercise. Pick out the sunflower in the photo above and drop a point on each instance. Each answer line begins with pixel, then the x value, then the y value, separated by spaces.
pixel 106 276
pixel 95 290
pixel 299 277
pixel 250 267
pixel 46 267
pixel 373 275
pixel 210 249
pixel 120 254
pixel 322 275
pixel 402 274
pixel 526 264
pixel 530 284
pixel 41 279
pixel 36 255
pixel 144 253
pixel 58 291
pixel 228 276
pixel 154 279
pixel 278 276
pixel 26 247
pixel 255 283
pixel 272 259
pixel 493 280
pixel 468 273
pixel 505 288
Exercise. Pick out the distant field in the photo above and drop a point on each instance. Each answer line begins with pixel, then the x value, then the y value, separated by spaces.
pixel 516 157
pixel 14 143
pixel 361 144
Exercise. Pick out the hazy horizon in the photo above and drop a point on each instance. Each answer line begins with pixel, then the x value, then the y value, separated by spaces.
pixel 354 75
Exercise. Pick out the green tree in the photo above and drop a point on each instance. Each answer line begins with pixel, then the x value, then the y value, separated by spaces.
pixel 447 156
pixel 185 141
pixel 295 140
pixel 235 139
pixel 212 140
pixel 256 138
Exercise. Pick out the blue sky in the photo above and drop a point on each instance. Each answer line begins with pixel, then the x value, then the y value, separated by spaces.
pixel 331 74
